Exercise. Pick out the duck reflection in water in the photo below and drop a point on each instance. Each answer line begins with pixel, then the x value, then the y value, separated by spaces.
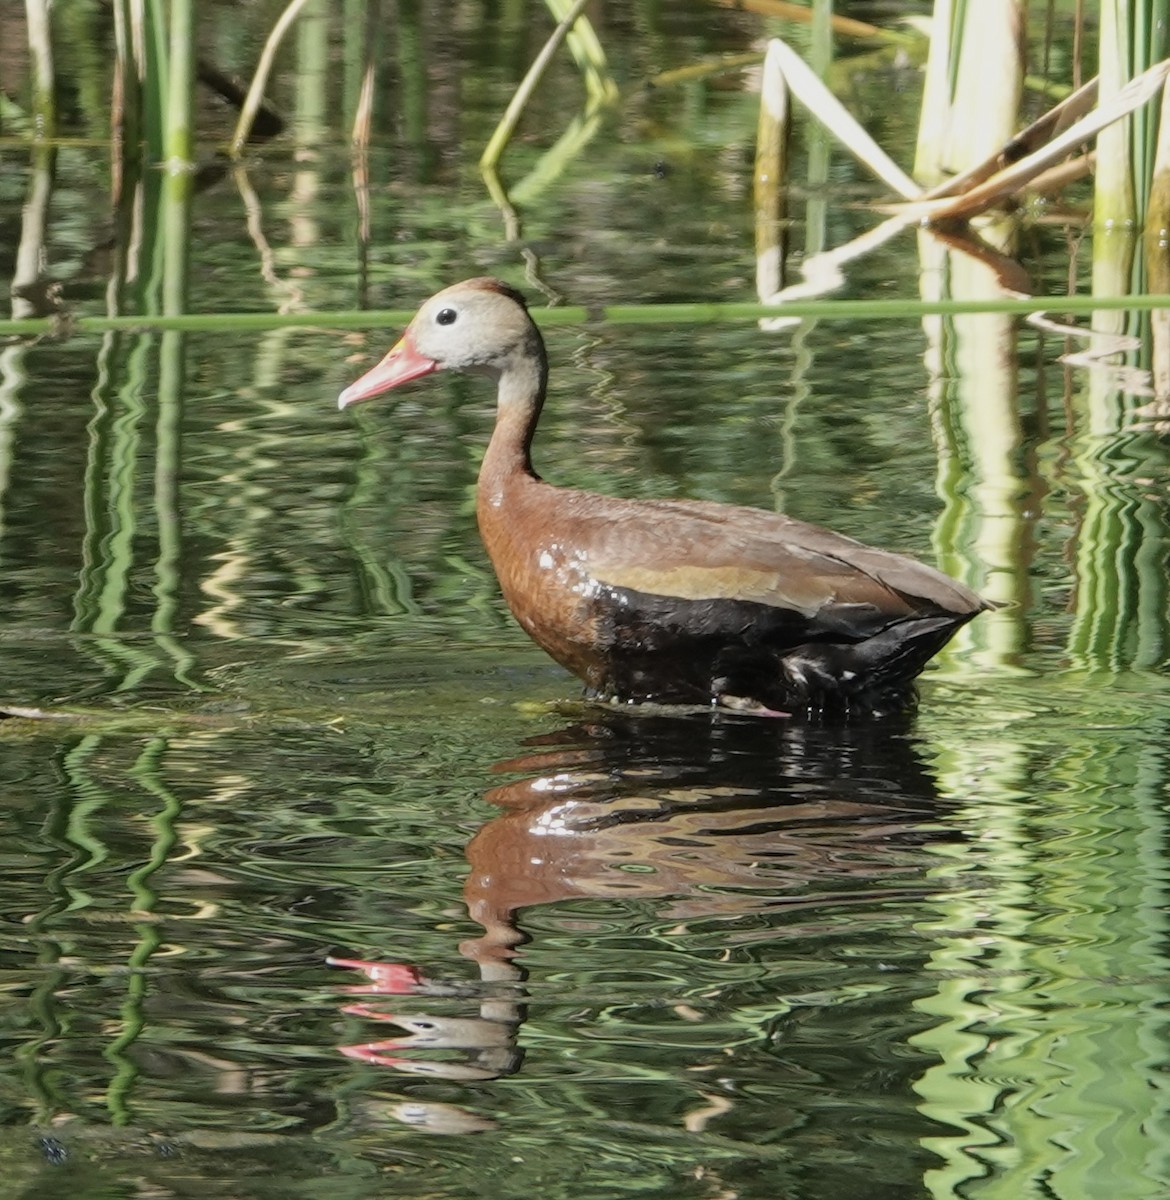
pixel 720 817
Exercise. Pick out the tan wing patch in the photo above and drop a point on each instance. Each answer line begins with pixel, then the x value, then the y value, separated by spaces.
pixel 706 583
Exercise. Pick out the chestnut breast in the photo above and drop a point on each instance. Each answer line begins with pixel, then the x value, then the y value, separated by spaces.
pixel 534 536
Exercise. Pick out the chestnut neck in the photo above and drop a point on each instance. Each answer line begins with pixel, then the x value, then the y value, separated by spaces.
pixel 523 377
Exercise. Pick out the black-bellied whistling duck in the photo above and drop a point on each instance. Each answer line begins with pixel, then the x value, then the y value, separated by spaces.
pixel 673 601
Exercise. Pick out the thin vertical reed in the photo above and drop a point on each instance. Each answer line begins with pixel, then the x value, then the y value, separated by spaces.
pixel 310 128
pixel 154 69
pixel 364 110
pixel 40 45
pixel 312 69
pixel 1157 247
pixel 362 47
pixel 1149 38
pixel 935 111
pixel 414 86
pixel 126 106
pixel 179 132
pixel 1114 205
pixel 770 177
pixel 361 156
pixel 816 216
pixel 989 82
pixel 362 124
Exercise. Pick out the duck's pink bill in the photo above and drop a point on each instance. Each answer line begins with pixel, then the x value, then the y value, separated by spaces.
pixel 401 365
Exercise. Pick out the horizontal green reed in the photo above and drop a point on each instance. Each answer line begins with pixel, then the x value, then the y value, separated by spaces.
pixel 612 314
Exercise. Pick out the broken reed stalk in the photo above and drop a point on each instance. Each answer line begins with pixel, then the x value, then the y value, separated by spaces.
pixel 364 111
pixel 809 89
pixel 1024 143
pixel 255 95
pixel 1006 183
pixel 362 118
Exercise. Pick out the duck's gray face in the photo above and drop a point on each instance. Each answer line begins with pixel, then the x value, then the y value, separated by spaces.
pixel 472 326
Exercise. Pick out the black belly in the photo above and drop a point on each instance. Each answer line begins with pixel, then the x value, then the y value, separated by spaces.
pixel 675 651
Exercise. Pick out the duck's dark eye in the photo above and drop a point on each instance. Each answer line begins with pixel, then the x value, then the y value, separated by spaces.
pixel 446 316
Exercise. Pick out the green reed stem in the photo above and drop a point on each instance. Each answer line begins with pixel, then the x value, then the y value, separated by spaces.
pixel 616 314
pixel 414 86
pixel 126 108
pixel 1113 194
pixel 179 131
pixel 152 51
